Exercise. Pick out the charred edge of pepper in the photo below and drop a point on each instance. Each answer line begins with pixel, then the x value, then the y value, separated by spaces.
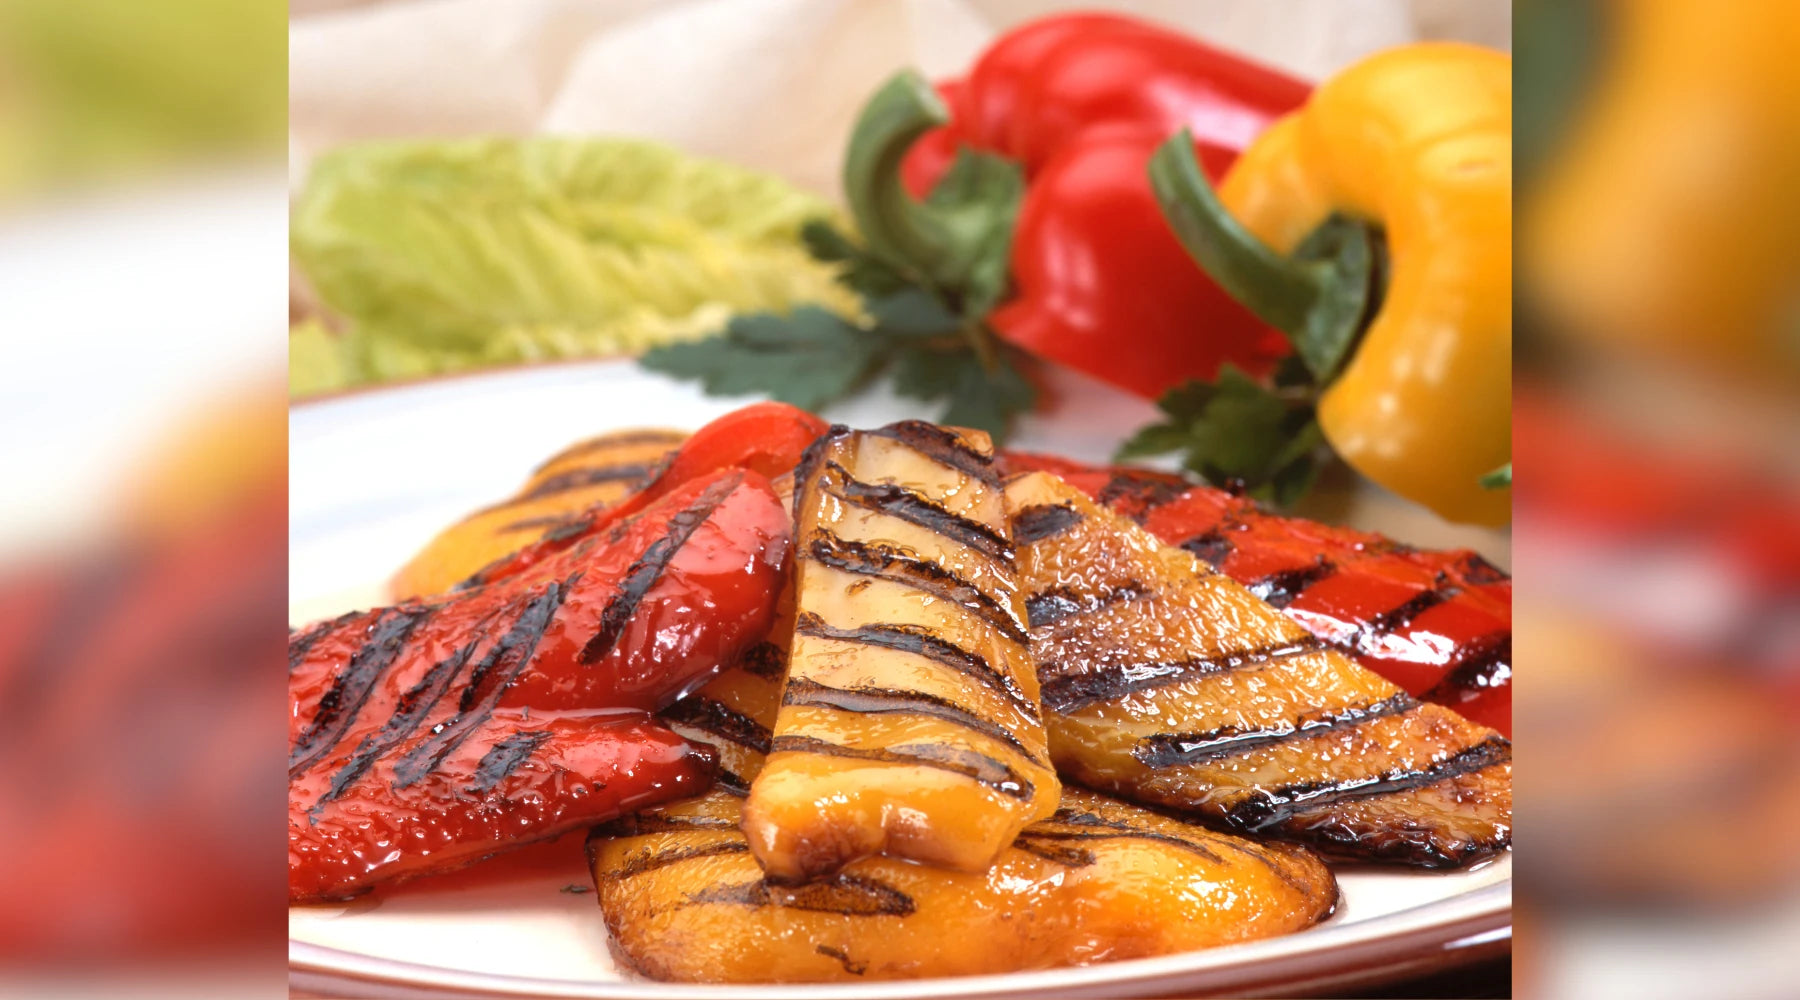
pixel 1210 547
pixel 641 863
pixel 649 567
pixel 765 660
pixel 350 690
pixel 608 442
pixel 898 501
pixel 1340 839
pixel 1134 493
pixel 1477 572
pixel 917 572
pixel 1484 664
pixel 487 683
pixel 843 894
pixel 1270 808
pixel 1279 589
pixel 1064 692
pixel 920 642
pixel 1177 749
pixel 945 447
pixel 715 718
pixel 1038 522
pixel 884 701
pixel 977 767
pixel 410 711
pixel 1053 604
pixel 505 757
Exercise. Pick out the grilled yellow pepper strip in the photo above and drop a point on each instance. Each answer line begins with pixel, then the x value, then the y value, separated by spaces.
pixel 1416 140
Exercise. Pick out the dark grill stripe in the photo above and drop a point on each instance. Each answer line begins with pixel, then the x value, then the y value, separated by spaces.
pixel 649 568
pixel 765 660
pixel 505 757
pixel 655 822
pixel 943 447
pixel 610 442
pixel 1403 615
pixel 410 712
pixel 918 641
pixel 1269 808
pixel 1178 749
pixel 548 521
pixel 899 502
pixel 1485 663
pixel 844 894
pixel 885 701
pixel 641 863
pixel 715 718
pixel 1061 854
pixel 488 682
pixel 1066 693
pixel 571 480
pixel 1086 825
pixel 300 644
pixel 1040 521
pixel 1280 589
pixel 1050 606
pixel 340 705
pixel 1478 572
pixel 731 783
pixel 977 767
pixel 1125 833
pixel 1135 492
pixel 1211 548
pixel 917 572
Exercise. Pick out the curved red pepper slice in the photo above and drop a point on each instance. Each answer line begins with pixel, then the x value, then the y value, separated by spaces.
pixel 427 735
pixel 1437 623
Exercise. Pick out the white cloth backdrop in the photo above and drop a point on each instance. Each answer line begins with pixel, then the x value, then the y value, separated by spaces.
pixel 772 84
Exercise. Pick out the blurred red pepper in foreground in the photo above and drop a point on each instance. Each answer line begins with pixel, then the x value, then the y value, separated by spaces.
pixel 1080 102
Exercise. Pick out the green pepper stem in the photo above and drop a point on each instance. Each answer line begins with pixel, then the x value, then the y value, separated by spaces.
pixel 894 223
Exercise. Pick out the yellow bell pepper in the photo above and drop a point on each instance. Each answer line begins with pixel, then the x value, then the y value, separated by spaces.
pixel 1416 141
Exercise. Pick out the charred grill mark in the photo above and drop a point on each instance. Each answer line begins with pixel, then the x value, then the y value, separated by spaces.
pixel 844 894
pixel 576 479
pixel 731 783
pixel 505 757
pixel 647 862
pixel 843 957
pixel 610 442
pixel 1477 572
pixel 715 718
pixel 943 447
pixel 656 822
pixel 1211 548
pixel 552 522
pixel 353 685
pixel 1048 607
pixel 1066 692
pixel 1069 824
pixel 649 568
pixel 765 660
pixel 1280 589
pixel 1040 521
pixel 920 642
pixel 812 460
pixel 916 572
pixel 1177 749
pixel 410 712
pixel 1135 492
pixel 1403 615
pixel 488 681
pixel 977 767
pixel 1484 663
pixel 1061 854
pixel 1269 808
pixel 898 501
pixel 882 701
pixel 301 643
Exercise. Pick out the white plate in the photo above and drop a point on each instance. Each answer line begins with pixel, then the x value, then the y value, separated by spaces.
pixel 375 474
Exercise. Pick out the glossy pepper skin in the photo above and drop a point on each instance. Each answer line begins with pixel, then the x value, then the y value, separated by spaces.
pixel 1080 102
pixel 1437 623
pixel 426 735
pixel 1417 140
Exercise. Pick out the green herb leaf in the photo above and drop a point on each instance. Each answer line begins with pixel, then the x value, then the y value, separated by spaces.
pixel 861 271
pixel 982 397
pixel 979 198
pixel 807 358
pixel 1237 429
pixel 912 312
pixel 1498 479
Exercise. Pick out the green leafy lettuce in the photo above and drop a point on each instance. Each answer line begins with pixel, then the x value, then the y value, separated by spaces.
pixel 437 256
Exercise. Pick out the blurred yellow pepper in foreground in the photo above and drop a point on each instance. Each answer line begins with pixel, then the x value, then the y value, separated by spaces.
pixel 1418 141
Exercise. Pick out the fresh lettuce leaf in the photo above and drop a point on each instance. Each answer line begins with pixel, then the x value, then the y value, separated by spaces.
pixel 445 255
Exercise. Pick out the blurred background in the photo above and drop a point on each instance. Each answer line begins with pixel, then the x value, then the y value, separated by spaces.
pixel 149 300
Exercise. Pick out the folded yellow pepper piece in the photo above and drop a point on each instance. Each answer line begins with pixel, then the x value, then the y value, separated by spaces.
pixel 1416 141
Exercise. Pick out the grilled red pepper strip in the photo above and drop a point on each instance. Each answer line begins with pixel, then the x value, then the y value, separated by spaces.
pixel 765 438
pixel 1080 102
pixel 427 735
pixel 1439 624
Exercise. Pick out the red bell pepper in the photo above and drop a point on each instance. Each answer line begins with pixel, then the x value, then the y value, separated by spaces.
pixel 1438 624
pixel 1080 102
pixel 427 735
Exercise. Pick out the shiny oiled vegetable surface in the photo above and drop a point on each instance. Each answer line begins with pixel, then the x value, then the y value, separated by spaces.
pixel 1171 684
pixel 909 722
